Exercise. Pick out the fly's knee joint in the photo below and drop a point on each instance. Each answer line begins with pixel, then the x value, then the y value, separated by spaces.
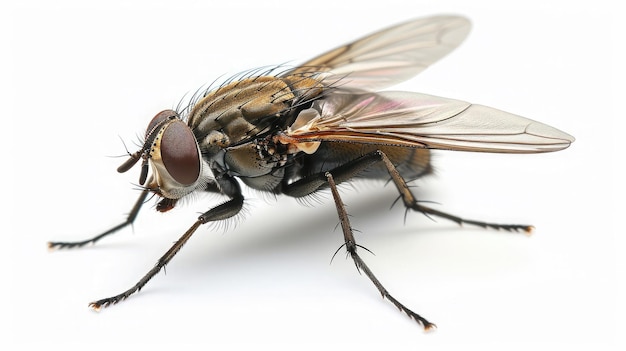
pixel 383 157
pixel 351 246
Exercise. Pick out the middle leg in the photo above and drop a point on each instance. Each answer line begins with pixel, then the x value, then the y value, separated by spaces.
pixel 329 179
pixel 351 247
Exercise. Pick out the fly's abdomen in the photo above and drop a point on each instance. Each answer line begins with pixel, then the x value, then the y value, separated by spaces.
pixel 412 163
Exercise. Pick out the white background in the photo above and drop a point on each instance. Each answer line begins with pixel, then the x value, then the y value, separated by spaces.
pixel 84 76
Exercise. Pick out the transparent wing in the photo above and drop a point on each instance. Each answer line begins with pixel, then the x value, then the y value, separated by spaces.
pixel 389 56
pixel 419 120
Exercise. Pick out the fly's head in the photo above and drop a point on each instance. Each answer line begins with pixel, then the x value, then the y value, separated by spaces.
pixel 171 150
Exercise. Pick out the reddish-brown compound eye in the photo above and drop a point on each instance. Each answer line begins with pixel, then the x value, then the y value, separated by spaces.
pixel 159 118
pixel 179 152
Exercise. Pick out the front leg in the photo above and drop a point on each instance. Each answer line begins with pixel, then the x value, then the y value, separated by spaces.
pixel 129 221
pixel 220 212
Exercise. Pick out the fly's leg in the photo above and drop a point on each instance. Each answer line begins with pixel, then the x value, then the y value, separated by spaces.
pixel 223 211
pixel 411 202
pixel 351 247
pixel 129 220
pixel 330 179
pixel 351 169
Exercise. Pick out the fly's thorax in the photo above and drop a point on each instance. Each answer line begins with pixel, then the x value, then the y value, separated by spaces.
pixel 214 142
pixel 234 125
pixel 244 109
pixel 256 158
pixel 257 165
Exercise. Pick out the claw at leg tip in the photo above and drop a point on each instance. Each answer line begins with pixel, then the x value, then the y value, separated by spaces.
pixel 430 327
pixel 52 246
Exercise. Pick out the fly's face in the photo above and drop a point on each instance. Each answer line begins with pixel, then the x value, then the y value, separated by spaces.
pixel 171 150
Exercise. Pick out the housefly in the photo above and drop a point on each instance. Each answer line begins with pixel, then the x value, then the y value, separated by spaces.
pixel 297 131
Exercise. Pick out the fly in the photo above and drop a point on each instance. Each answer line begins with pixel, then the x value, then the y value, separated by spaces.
pixel 299 131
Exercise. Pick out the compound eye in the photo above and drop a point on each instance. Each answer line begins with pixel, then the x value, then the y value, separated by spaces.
pixel 158 120
pixel 179 152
